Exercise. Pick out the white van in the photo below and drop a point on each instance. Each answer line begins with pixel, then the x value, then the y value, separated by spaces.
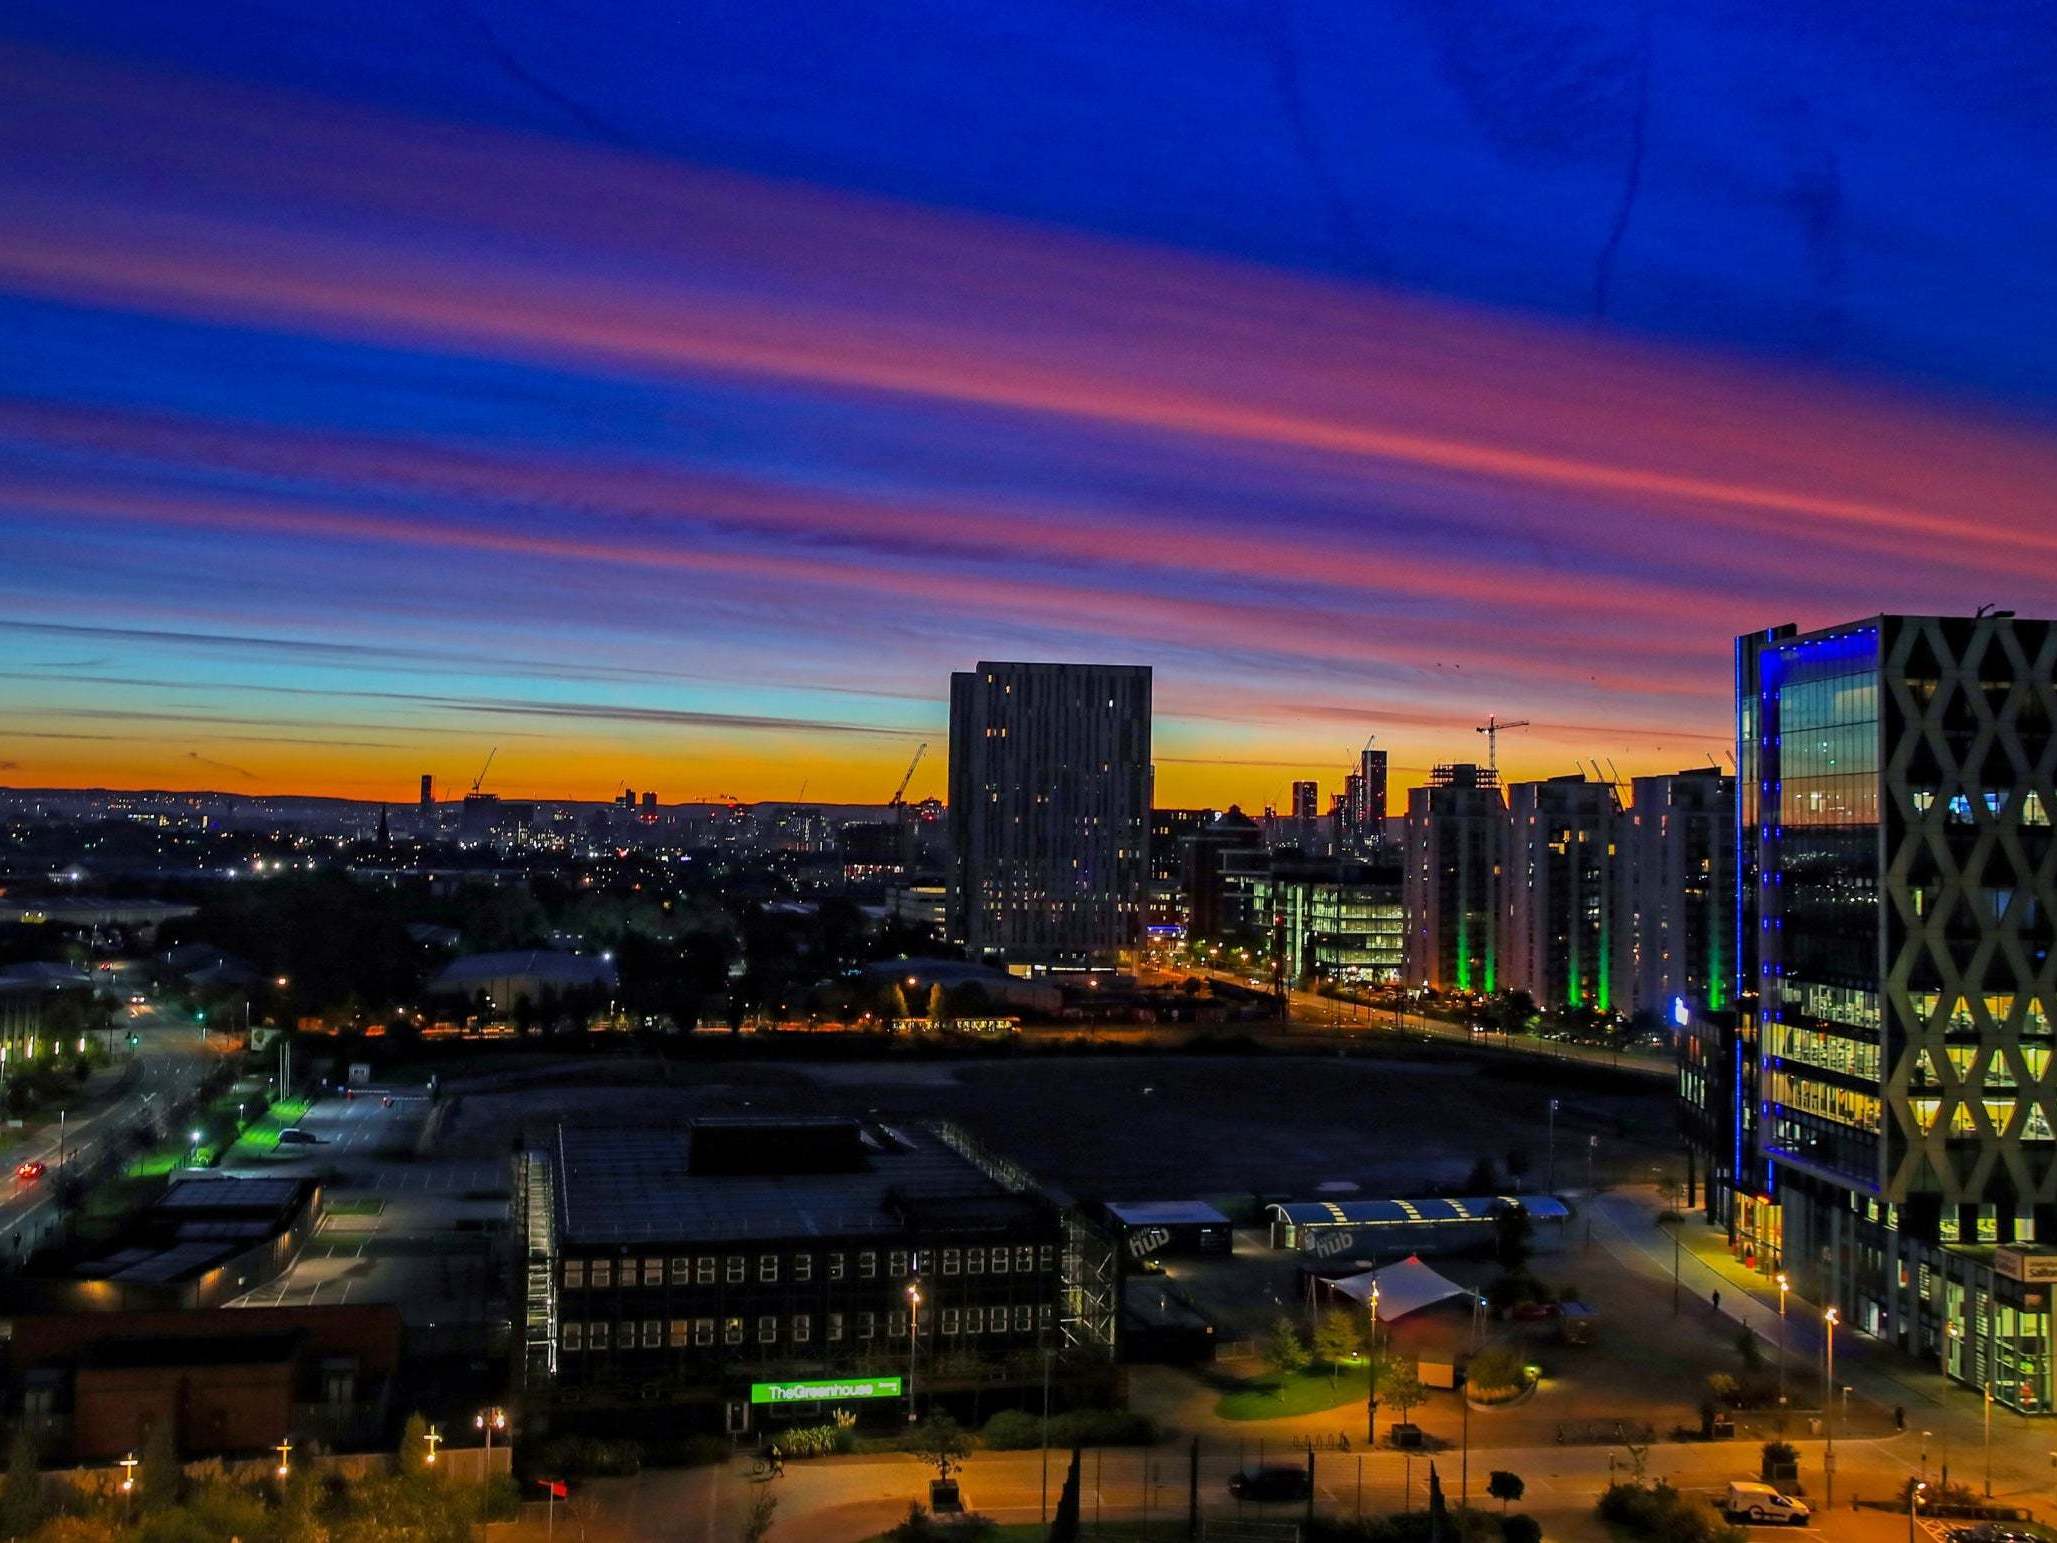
pixel 1749 1501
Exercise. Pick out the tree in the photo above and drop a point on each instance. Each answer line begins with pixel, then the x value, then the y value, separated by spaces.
pixel 1505 1487
pixel 414 1448
pixel 1401 1384
pixel 1483 1178
pixel 941 1440
pixel 1283 1350
pixel 1512 1231
pixel 938 1013
pixel 161 1478
pixel 21 1493
pixel 1335 1339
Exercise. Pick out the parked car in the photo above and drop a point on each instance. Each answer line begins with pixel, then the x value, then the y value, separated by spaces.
pixel 1269 1483
pixel 1750 1501
pixel 1991 1532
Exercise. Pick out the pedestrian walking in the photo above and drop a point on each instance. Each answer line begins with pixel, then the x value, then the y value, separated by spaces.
pixel 1899 1417
pixel 778 1462
pixel 1717 1301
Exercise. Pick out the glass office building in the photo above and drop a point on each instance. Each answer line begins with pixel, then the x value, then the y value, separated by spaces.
pixel 1892 1141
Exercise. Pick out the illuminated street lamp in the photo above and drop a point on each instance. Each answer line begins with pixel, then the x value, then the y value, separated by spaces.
pixel 913 1333
pixel 434 1438
pixel 1828 1408
pixel 1371 1374
pixel 285 1452
pixel 490 1420
pixel 128 1474
pixel 1914 1504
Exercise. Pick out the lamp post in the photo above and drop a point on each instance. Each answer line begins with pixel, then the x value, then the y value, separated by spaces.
pixel 128 1480
pixel 1989 1430
pixel 1371 1376
pixel 1828 1410
pixel 1049 1355
pixel 434 1438
pixel 285 1452
pixel 489 1420
pixel 1550 1168
pixel 1784 1284
pixel 913 1339
pixel 1913 1505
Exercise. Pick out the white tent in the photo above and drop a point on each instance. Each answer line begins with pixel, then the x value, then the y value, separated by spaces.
pixel 1403 1288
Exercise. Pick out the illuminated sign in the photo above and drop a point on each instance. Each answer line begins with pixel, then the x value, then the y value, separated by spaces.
pixel 834 1388
pixel 1679 1015
pixel 2031 1266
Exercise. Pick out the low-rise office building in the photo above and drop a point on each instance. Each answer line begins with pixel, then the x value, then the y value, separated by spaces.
pixel 763 1271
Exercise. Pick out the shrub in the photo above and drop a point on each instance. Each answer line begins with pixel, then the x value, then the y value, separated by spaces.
pixel 1496 1367
pixel 588 1457
pixel 814 1440
pixel 1662 1514
pixel 1520 1528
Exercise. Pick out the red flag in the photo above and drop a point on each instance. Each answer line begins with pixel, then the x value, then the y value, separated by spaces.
pixel 557 1487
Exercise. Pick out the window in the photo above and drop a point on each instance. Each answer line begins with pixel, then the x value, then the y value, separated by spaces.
pixel 598 1334
pixel 867 1266
pixel 950 1323
pixel 682 1271
pixel 653 1272
pixel 896 1263
pixel 768 1329
pixel 999 1261
pixel 1024 1318
pixel 737 1271
pixel 803 1267
pixel 1046 1257
pixel 835 1266
pixel 996 1321
pixel 1025 1259
pixel 803 1328
pixel 953 1260
pixel 573 1336
pixel 703 1270
pixel 974 1320
pixel 653 1333
pixel 921 1260
pixel 732 1331
pixel 603 1272
pixel 866 1323
pixel 1042 1315
pixel 835 1327
pixel 681 1332
pixel 574 1274
pixel 767 1267
pixel 974 1261
pixel 703 1332
pixel 896 1324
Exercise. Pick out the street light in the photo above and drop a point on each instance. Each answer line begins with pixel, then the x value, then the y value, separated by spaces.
pixel 1371 1376
pixel 1828 1410
pixel 913 1333
pixel 490 1420
pixel 285 1452
pixel 1784 1284
pixel 434 1437
pixel 1914 1504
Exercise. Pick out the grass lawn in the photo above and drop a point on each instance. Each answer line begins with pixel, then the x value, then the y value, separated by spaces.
pixel 261 1137
pixel 1268 1397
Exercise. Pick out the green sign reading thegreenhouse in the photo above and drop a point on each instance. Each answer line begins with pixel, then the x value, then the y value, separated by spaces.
pixel 809 1392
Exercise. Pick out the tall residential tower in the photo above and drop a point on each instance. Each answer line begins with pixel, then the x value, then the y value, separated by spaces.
pixel 1049 810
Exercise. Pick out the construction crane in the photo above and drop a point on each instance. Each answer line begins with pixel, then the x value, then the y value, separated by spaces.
pixel 899 798
pixel 1491 729
pixel 481 777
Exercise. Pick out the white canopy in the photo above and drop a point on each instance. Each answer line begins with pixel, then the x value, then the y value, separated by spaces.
pixel 1403 1288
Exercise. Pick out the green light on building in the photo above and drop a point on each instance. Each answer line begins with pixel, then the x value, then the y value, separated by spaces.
pixel 833 1389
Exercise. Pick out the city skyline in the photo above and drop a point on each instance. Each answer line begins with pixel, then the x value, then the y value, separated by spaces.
pixel 361 422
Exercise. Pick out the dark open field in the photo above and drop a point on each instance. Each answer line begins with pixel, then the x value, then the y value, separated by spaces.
pixel 1151 1126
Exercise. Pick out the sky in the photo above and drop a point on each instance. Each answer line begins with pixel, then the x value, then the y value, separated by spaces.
pixel 673 396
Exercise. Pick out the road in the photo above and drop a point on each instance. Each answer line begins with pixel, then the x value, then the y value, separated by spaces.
pixel 1313 1010
pixel 168 1064
pixel 844 1500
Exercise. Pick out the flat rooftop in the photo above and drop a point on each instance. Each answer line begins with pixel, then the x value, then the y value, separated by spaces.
pixel 635 1185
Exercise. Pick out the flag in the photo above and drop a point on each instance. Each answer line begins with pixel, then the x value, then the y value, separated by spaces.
pixel 557 1487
